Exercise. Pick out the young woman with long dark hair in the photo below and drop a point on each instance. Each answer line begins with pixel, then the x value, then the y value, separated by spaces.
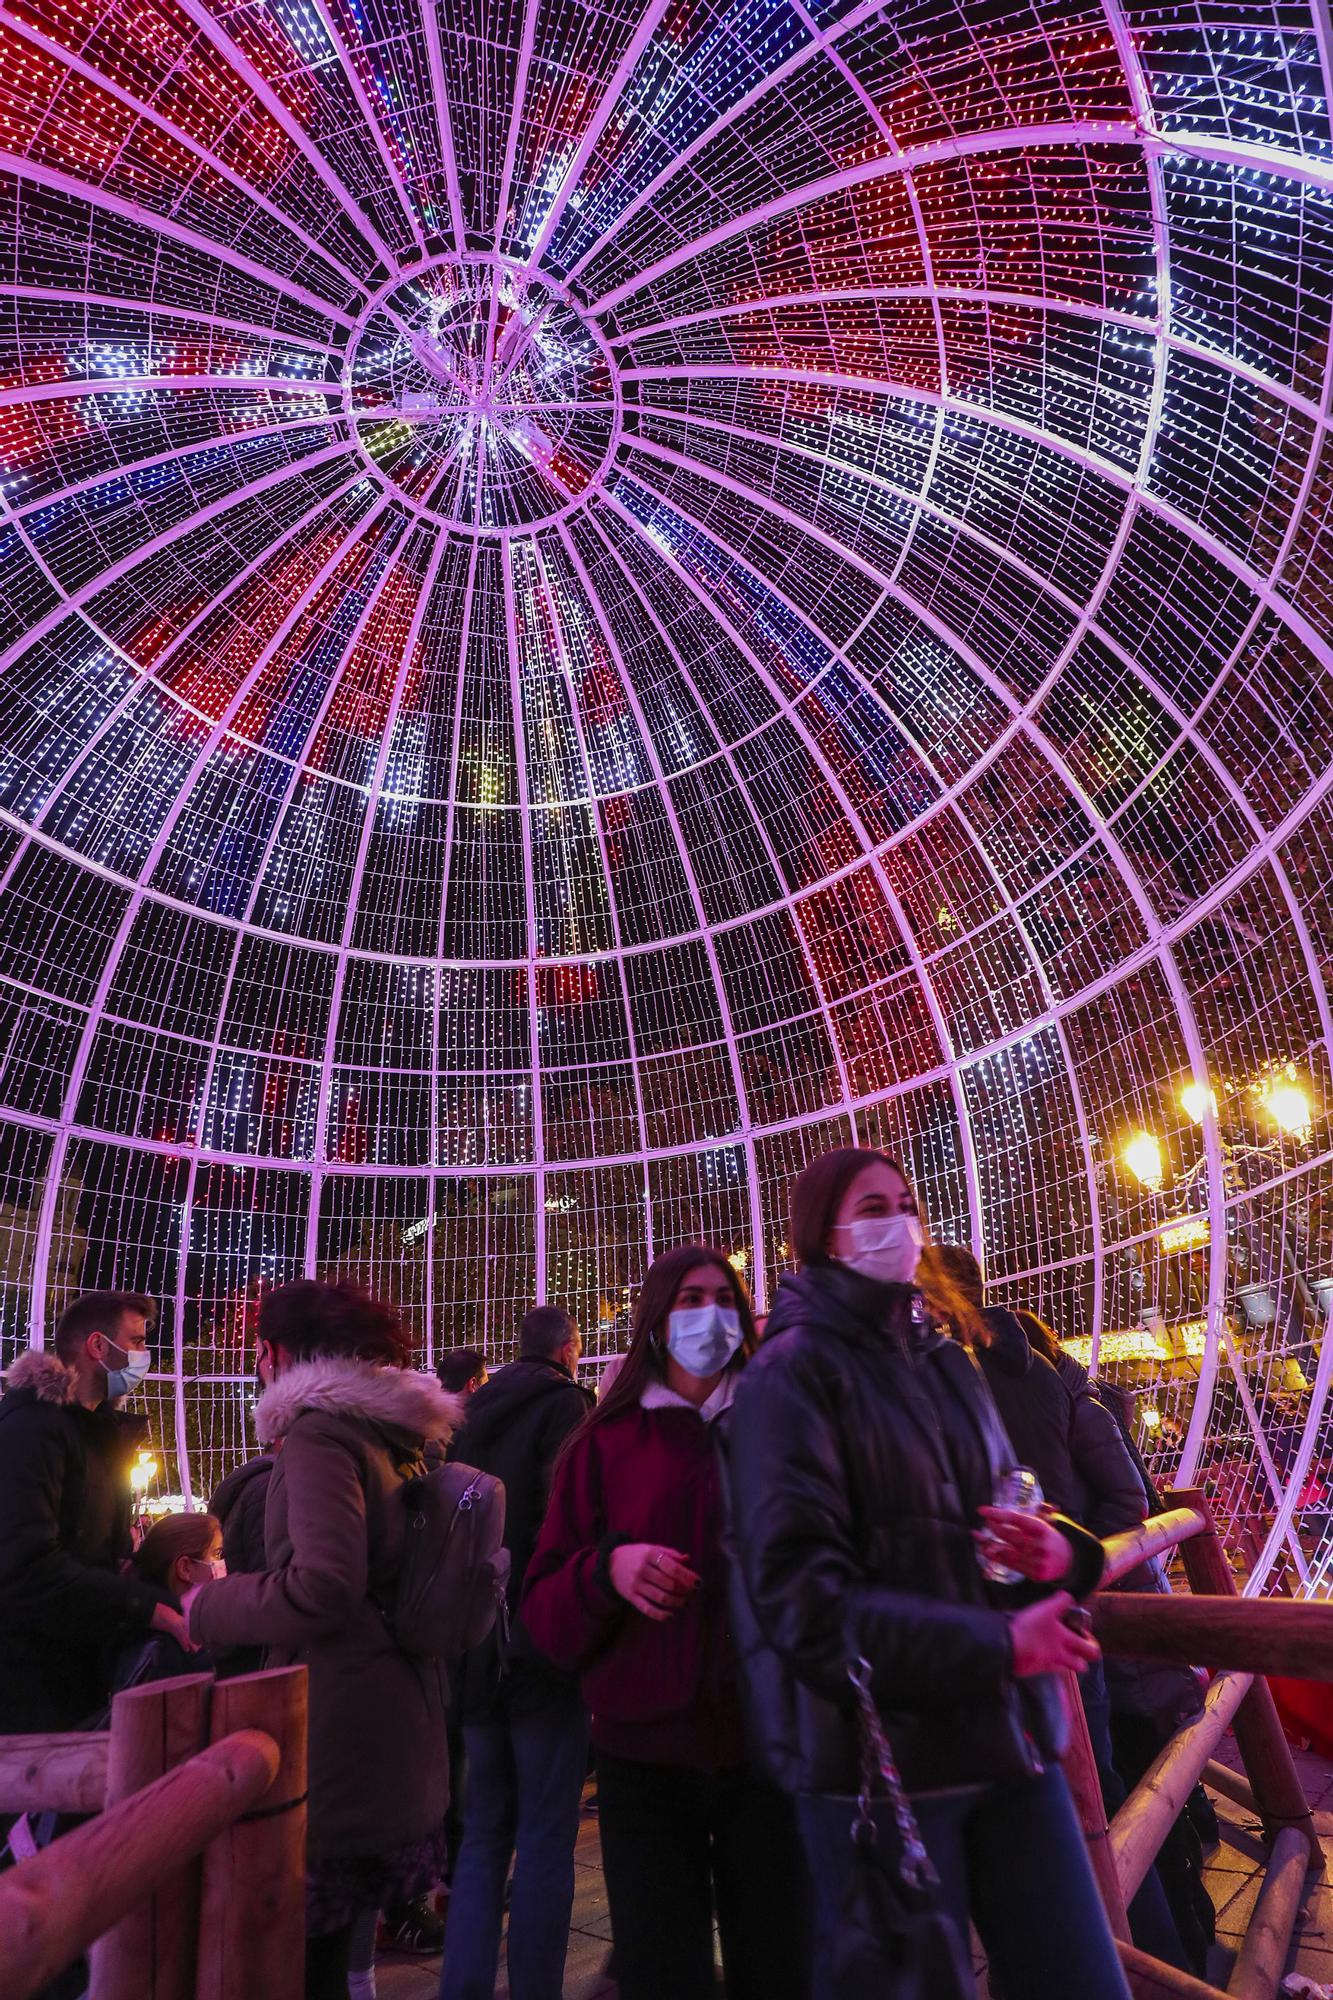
pixel 629 1587
pixel 864 1453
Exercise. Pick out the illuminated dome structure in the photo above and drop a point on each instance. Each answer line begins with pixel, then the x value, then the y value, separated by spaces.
pixel 595 598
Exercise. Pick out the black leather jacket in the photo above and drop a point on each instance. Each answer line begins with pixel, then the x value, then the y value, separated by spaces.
pixel 859 1449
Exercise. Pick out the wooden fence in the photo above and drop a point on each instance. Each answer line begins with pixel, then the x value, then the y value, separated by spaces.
pixel 187 1884
pixel 1243 1639
pixel 188 1881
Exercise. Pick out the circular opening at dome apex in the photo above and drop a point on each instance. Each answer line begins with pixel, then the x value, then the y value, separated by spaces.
pixel 482 393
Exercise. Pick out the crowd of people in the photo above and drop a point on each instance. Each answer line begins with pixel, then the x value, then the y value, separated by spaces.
pixel 780 1599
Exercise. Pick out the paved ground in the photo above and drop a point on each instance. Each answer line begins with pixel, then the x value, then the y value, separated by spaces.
pixel 1234 1871
pixel 589 1940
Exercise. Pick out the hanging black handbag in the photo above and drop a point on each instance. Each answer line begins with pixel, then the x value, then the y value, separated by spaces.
pixel 895 1939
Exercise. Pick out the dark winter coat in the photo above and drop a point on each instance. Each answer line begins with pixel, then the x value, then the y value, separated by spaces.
pixel 1111 1493
pixel 159 1657
pixel 335 1521
pixel 65 1510
pixel 1036 1408
pixel 239 1505
pixel 514 1427
pixel 1120 1403
pixel 659 1692
pixel 861 1447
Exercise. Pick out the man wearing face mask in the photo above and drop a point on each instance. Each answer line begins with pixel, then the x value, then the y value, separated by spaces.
pixel 66 1449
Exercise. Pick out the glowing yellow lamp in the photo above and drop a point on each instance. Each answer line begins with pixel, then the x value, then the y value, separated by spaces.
pixel 1142 1154
pixel 1151 1417
pixel 739 1260
pixel 1196 1101
pixel 1289 1106
pixel 143 1472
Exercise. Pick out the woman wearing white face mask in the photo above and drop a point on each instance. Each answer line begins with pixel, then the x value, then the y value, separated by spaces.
pixel 864 1451
pixel 629 1587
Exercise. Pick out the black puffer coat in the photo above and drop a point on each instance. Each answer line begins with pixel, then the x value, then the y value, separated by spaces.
pixel 860 1448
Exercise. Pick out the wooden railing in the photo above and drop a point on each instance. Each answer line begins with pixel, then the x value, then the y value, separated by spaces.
pixel 188 1881
pixel 1244 1638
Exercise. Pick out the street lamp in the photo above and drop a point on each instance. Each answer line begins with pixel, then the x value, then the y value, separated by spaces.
pixel 1196 1101
pixel 1142 1154
pixel 1260 1276
pixel 1288 1105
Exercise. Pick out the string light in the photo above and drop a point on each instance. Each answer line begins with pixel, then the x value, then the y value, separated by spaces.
pixel 587 620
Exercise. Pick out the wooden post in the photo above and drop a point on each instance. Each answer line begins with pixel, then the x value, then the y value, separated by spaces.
pixel 1264 1749
pixel 54 1905
pixel 252 1919
pixel 1221 1778
pixel 1262 1958
pixel 1080 1765
pixel 1143 1820
pixel 149 1953
pixel 1153 1980
pixel 63 1772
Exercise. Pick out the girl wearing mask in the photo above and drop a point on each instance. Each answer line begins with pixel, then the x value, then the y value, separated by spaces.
pixel 628 1586
pixel 864 1452
pixel 178 1553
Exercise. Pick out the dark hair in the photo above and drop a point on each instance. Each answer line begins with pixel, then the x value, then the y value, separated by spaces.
pixel 174 1536
pixel 955 1290
pixel 817 1195
pixel 98 1312
pixel 957 1263
pixel 457 1365
pixel 545 1331
pixel 643 1357
pixel 310 1316
pixel 1042 1339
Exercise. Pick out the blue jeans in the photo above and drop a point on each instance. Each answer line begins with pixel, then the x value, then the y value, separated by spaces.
pixel 1009 1857
pixel 525 1778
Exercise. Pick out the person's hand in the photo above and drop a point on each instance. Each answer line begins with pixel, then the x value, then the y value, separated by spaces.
pixel 1026 1542
pixel 1043 1643
pixel 175 1623
pixel 654 1580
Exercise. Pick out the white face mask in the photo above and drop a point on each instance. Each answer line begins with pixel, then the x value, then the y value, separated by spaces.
pixel 886 1248
pixel 216 1568
pixel 702 1339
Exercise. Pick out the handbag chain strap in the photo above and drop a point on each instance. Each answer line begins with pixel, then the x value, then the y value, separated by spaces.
pixel 878 1768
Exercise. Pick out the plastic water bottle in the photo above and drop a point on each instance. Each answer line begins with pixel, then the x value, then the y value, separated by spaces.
pixel 1020 1490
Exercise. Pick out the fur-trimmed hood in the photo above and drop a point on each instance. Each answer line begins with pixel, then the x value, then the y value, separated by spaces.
pixel 396 1399
pixel 44 1373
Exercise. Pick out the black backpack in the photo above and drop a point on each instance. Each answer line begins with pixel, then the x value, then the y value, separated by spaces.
pixel 451 1587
